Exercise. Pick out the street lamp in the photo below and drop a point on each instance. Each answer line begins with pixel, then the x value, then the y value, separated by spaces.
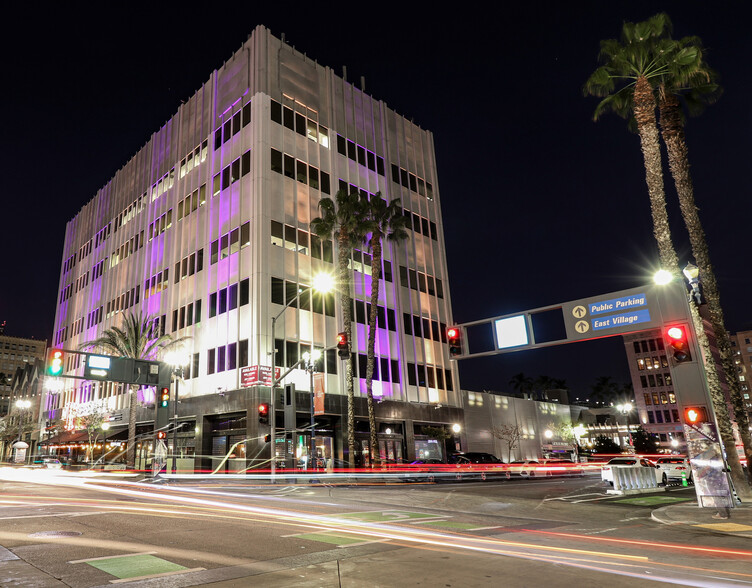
pixel 663 277
pixel 692 273
pixel 178 359
pixel 311 359
pixel 321 283
pixel 625 409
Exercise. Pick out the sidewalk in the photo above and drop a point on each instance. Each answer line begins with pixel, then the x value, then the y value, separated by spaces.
pixel 739 522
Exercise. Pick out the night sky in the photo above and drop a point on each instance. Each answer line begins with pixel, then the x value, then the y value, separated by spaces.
pixel 541 205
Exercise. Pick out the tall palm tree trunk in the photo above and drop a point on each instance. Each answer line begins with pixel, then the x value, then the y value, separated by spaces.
pixel 372 320
pixel 673 136
pixel 346 303
pixel 130 454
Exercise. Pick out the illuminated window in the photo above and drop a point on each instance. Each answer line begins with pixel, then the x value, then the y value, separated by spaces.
pixel 640 364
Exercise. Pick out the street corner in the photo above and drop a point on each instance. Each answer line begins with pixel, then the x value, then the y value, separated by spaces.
pixel 738 523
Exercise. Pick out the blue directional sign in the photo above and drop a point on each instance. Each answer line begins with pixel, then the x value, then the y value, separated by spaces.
pixel 617 304
pixel 621 320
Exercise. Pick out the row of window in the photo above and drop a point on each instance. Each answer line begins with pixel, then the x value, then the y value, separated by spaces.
pixel 421 225
pixel 285 292
pixel 301 124
pixel 428 376
pixel 102 234
pixel 663 416
pixel 161 186
pixel 659 398
pixel 227 357
pixel 128 248
pixel 385 317
pixel 288 353
pixel 98 269
pixel 301 241
pixel 415 280
pixel 652 363
pixel 77 327
pixel 229 298
pixel 194 158
pixel 654 380
pixel 95 317
pixel 187 315
pixel 66 293
pixel 230 243
pixel 232 172
pixel 191 264
pixel 648 345
pixel 287 165
pixel 69 263
pixel 430 329
pixel 85 250
pixel 124 301
pixel 129 212
pixel 191 202
pixel 412 182
pixel 232 126
pixel 362 262
pixel 160 225
pixel 360 155
pixel 156 283
pixel 81 282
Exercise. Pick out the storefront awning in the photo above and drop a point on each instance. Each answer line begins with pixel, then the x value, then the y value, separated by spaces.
pixel 66 438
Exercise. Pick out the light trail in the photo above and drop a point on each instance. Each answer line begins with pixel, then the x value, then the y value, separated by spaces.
pixel 635 566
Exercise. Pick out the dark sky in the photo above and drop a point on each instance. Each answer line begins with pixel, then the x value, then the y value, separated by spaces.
pixel 541 205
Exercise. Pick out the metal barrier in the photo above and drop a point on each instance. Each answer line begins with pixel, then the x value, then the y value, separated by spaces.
pixel 633 479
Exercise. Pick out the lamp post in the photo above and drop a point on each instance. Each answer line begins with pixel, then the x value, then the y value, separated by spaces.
pixel 625 409
pixel 177 359
pixel 692 273
pixel 321 283
pixel 311 359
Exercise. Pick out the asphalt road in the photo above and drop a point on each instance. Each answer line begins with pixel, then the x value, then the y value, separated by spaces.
pixel 68 531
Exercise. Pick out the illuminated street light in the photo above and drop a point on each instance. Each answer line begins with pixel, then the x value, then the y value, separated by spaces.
pixel 323 283
pixel 548 434
pixel 625 409
pixel 456 428
pixel 663 277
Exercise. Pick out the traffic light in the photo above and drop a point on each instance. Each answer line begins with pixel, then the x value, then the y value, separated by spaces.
pixel 164 397
pixel 161 435
pixel 267 438
pixel 55 362
pixel 695 414
pixel 678 344
pixel 263 410
pixel 343 346
pixel 454 339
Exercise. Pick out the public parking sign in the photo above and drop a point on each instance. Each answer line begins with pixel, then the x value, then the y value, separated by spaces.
pixel 612 314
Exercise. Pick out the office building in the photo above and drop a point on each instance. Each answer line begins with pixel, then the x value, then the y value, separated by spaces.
pixel 207 229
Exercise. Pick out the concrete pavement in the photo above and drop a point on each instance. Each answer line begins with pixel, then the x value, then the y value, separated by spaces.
pixel 739 522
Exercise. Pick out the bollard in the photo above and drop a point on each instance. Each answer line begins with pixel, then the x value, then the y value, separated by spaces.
pixel 684 479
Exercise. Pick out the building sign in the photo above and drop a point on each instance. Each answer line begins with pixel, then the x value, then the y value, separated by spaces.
pixel 319 394
pixel 619 312
pixel 255 375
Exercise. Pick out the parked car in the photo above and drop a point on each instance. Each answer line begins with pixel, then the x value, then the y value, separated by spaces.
pixel 560 467
pixel 51 463
pixel 674 468
pixel 473 457
pixel 607 474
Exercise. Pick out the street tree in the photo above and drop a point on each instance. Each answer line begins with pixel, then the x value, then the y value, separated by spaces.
pixel 632 70
pixel 383 221
pixel 92 424
pixel 604 390
pixel 603 444
pixel 511 435
pixel 643 441
pixel 521 383
pixel 344 218
pixel 691 84
pixel 137 338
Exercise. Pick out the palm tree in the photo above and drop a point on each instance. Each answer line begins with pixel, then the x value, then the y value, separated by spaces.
pixel 135 340
pixel 383 221
pixel 696 83
pixel 344 218
pixel 641 60
pixel 604 390
pixel 521 383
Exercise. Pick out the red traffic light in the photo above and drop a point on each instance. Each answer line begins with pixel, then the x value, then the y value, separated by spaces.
pixel 263 413
pixel 678 343
pixel 343 345
pixel 161 435
pixel 454 339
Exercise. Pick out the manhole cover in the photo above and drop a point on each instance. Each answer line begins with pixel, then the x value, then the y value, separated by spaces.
pixel 55 534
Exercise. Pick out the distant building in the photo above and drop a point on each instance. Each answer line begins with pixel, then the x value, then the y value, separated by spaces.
pixel 16 353
pixel 741 344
